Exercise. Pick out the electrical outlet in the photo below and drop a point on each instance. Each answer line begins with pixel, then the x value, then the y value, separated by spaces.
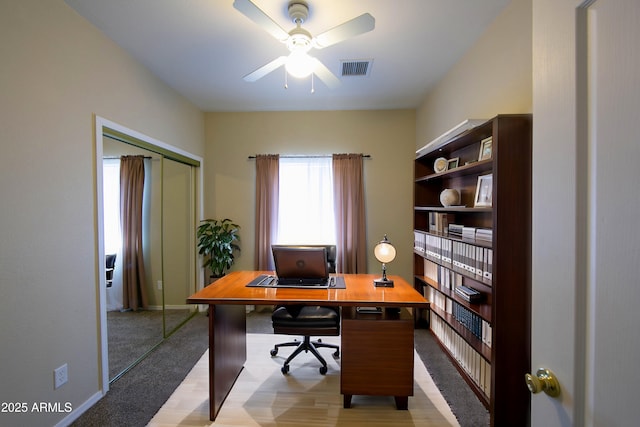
pixel 60 376
pixel 159 284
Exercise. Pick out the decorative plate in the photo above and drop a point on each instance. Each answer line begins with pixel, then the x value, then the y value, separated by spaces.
pixel 440 165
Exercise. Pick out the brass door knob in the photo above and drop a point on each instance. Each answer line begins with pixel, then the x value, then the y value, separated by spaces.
pixel 544 380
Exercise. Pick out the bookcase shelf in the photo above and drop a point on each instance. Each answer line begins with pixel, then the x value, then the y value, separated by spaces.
pixel 475 168
pixel 451 209
pixel 481 309
pixel 489 341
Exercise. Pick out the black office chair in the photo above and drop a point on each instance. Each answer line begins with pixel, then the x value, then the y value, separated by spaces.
pixel 308 320
pixel 110 263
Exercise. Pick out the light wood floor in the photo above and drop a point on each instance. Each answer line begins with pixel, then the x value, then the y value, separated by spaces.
pixel 263 396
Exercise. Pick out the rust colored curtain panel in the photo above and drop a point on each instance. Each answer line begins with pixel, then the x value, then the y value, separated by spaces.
pixel 267 185
pixel 348 193
pixel 131 191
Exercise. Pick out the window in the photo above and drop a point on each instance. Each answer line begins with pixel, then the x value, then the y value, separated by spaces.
pixel 305 210
pixel 111 205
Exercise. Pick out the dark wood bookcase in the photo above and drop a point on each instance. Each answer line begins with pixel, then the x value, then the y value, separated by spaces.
pixel 488 341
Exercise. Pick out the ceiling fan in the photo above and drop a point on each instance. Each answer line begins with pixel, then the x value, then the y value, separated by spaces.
pixel 299 41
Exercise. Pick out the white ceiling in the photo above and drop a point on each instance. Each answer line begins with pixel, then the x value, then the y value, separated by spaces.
pixel 203 48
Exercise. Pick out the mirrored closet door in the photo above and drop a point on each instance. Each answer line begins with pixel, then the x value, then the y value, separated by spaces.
pixel 178 241
pixel 168 254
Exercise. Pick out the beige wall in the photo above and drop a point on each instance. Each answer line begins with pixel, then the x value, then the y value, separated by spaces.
pixel 388 136
pixel 493 77
pixel 57 72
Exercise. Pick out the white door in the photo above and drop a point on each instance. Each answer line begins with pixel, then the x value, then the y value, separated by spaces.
pixel 586 205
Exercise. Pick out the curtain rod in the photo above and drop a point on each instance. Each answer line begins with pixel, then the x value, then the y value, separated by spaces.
pixel 310 156
pixel 119 157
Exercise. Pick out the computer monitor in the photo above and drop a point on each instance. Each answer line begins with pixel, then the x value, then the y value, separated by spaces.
pixel 301 265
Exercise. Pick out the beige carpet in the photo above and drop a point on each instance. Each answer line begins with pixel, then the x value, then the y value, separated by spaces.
pixel 263 396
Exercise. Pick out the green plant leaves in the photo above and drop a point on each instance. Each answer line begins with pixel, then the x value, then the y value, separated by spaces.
pixel 217 242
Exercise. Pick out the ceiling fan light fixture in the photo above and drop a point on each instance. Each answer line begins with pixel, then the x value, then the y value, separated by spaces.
pixel 299 64
pixel 299 40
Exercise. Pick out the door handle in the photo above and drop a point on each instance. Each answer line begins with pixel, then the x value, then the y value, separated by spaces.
pixel 544 380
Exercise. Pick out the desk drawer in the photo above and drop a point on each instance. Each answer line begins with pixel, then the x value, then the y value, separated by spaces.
pixel 377 354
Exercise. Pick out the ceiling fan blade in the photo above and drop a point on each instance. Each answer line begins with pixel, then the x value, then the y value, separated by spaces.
pixel 254 13
pixel 324 74
pixel 362 24
pixel 265 69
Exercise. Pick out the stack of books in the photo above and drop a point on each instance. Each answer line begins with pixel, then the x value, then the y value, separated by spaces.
pixel 469 233
pixel 484 234
pixel 478 368
pixel 468 294
pixel 455 230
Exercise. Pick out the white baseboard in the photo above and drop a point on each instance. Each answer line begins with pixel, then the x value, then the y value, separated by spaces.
pixel 76 412
pixel 179 307
pixel 171 307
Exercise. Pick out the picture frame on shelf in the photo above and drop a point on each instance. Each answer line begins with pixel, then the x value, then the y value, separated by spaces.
pixel 440 165
pixel 453 163
pixel 485 148
pixel 484 191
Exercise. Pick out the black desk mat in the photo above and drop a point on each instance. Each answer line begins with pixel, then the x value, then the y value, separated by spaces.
pixel 263 281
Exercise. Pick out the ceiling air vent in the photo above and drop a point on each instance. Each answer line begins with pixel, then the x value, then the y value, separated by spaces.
pixel 351 68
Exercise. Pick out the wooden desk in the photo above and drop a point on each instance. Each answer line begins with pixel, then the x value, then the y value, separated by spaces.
pixel 228 296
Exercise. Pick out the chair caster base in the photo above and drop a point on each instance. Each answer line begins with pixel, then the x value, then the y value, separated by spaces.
pixel 307 346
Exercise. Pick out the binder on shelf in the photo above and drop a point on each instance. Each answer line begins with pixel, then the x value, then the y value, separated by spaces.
pixel 489 269
pixel 473 259
pixel 479 259
pixel 486 333
pixel 419 238
pixel 446 251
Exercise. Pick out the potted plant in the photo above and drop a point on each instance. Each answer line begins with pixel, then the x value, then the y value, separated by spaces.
pixel 217 240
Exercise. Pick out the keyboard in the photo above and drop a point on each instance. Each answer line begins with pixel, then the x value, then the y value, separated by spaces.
pixel 273 281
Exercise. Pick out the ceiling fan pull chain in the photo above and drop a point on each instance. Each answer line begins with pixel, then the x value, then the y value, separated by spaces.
pixel 286 84
pixel 313 90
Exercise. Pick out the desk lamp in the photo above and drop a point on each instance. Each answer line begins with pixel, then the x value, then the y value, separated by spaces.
pixel 385 253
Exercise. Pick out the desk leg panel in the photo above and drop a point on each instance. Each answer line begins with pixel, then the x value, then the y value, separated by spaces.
pixel 227 351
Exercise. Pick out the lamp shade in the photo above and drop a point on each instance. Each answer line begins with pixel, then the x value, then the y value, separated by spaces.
pixel 384 251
